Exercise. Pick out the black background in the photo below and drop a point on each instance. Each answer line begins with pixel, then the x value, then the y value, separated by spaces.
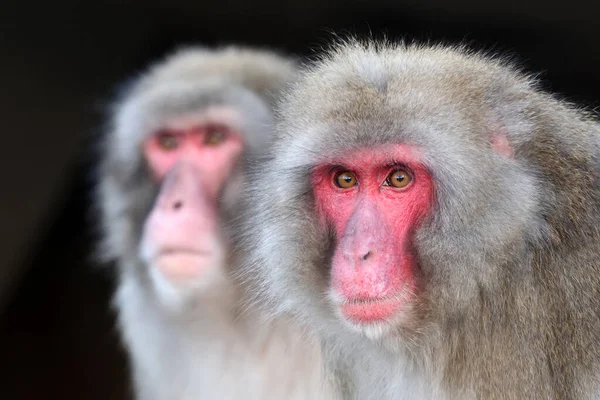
pixel 60 63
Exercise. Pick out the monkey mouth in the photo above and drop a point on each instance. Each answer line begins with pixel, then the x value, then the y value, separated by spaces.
pixel 178 264
pixel 182 251
pixel 372 309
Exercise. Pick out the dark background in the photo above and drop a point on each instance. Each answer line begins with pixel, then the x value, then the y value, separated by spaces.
pixel 60 62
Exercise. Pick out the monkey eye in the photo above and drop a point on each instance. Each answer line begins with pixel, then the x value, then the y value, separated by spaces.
pixel 345 179
pixel 399 178
pixel 167 141
pixel 215 136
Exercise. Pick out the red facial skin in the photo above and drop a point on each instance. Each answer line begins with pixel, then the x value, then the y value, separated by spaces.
pixel 373 273
pixel 180 234
pixel 214 162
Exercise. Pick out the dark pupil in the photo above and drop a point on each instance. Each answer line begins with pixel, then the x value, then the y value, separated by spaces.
pixel 168 141
pixel 347 178
pixel 399 177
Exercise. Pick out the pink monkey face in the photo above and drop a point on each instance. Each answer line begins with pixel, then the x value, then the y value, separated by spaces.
pixel 192 164
pixel 373 199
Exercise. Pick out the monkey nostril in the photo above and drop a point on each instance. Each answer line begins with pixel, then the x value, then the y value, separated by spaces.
pixel 365 256
pixel 177 205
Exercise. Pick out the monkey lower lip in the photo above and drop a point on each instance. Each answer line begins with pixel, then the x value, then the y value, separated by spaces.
pixel 179 256
pixel 190 252
pixel 370 310
pixel 181 264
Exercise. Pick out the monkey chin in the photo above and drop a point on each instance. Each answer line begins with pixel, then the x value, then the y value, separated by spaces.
pixel 373 318
pixel 182 277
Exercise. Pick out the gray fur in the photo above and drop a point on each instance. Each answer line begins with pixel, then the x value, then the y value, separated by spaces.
pixel 204 342
pixel 510 254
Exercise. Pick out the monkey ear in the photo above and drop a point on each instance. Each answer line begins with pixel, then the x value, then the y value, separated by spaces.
pixel 500 142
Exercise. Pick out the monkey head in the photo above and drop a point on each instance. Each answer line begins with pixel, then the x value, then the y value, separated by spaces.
pixel 405 192
pixel 174 165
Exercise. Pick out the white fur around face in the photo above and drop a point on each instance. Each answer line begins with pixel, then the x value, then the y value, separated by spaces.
pixel 215 354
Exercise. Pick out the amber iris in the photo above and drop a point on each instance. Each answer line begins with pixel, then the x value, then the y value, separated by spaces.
pixel 167 141
pixel 215 136
pixel 345 179
pixel 399 178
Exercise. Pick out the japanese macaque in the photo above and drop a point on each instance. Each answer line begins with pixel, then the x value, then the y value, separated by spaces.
pixel 434 217
pixel 173 167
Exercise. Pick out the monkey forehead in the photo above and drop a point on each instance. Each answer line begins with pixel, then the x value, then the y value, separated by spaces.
pixel 211 115
pixel 208 101
pixel 365 158
pixel 262 71
pixel 175 98
pixel 442 99
pixel 310 142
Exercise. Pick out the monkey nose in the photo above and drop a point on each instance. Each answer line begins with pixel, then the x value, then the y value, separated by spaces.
pixel 177 204
pixel 359 256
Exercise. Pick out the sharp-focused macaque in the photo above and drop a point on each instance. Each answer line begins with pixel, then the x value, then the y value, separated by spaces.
pixel 435 217
pixel 173 167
